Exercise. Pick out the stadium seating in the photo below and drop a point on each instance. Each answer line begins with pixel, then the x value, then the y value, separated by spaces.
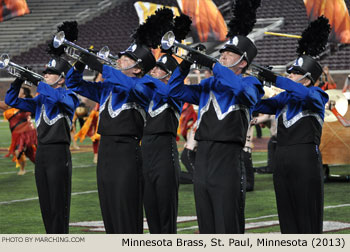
pixel 22 33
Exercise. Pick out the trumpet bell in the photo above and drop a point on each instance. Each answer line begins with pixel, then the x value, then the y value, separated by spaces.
pixel 168 40
pixel 104 52
pixel 4 60
pixel 58 39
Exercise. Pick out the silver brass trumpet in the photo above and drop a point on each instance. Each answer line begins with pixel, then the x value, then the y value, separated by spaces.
pixel 17 70
pixel 72 48
pixel 168 41
pixel 105 53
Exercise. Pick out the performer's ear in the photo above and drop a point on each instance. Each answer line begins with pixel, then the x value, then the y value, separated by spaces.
pixel 243 64
pixel 61 81
pixel 136 71
pixel 307 82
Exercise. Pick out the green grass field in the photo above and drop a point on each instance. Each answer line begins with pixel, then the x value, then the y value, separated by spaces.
pixel 20 212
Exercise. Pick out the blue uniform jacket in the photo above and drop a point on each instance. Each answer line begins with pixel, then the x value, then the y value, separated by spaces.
pixel 296 102
pixel 124 92
pixel 50 105
pixel 228 91
pixel 161 98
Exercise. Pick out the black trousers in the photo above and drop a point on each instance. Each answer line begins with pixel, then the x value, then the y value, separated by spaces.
pixel 271 152
pixel 161 171
pixel 119 182
pixel 249 170
pixel 53 176
pixel 298 182
pixel 219 187
pixel 188 158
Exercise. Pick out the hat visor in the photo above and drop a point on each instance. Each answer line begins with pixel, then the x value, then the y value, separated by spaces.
pixel 162 66
pixel 296 70
pixel 128 54
pixel 51 71
pixel 231 48
pixel 300 71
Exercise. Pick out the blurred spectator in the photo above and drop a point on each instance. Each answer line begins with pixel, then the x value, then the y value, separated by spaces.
pixel 23 133
pixel 326 81
pixel 346 88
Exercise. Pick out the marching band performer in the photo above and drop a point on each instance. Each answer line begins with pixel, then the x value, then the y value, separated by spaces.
pixel 124 98
pixel 53 108
pixel 298 176
pixel 225 103
pixel 161 168
pixel 122 117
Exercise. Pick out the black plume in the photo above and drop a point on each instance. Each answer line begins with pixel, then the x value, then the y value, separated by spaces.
pixel 152 30
pixel 70 29
pixel 244 12
pixel 182 26
pixel 314 38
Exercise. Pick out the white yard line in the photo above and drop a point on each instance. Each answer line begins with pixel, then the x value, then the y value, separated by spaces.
pixel 327 225
pixel 29 199
pixel 260 162
pixel 92 165
pixel 74 167
pixel 343 205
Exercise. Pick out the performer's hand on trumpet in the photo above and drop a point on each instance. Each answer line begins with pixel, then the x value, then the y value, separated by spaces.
pixel 27 76
pixel 202 60
pixel 92 62
pixel 267 76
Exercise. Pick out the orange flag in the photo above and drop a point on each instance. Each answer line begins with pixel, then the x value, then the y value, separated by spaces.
pixel 12 8
pixel 337 13
pixel 206 19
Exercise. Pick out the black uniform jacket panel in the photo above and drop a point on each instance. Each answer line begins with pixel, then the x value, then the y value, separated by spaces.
pixel 58 132
pixel 232 128
pixel 165 122
pixel 305 130
pixel 129 122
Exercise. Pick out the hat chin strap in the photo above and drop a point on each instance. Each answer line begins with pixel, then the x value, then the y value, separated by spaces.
pixel 129 67
pixel 58 79
pixel 238 61
pixel 304 76
pixel 162 77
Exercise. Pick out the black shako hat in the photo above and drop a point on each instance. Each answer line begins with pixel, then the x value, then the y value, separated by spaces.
pixel 241 45
pixel 142 55
pixel 306 64
pixel 57 66
pixel 312 43
pixel 168 63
